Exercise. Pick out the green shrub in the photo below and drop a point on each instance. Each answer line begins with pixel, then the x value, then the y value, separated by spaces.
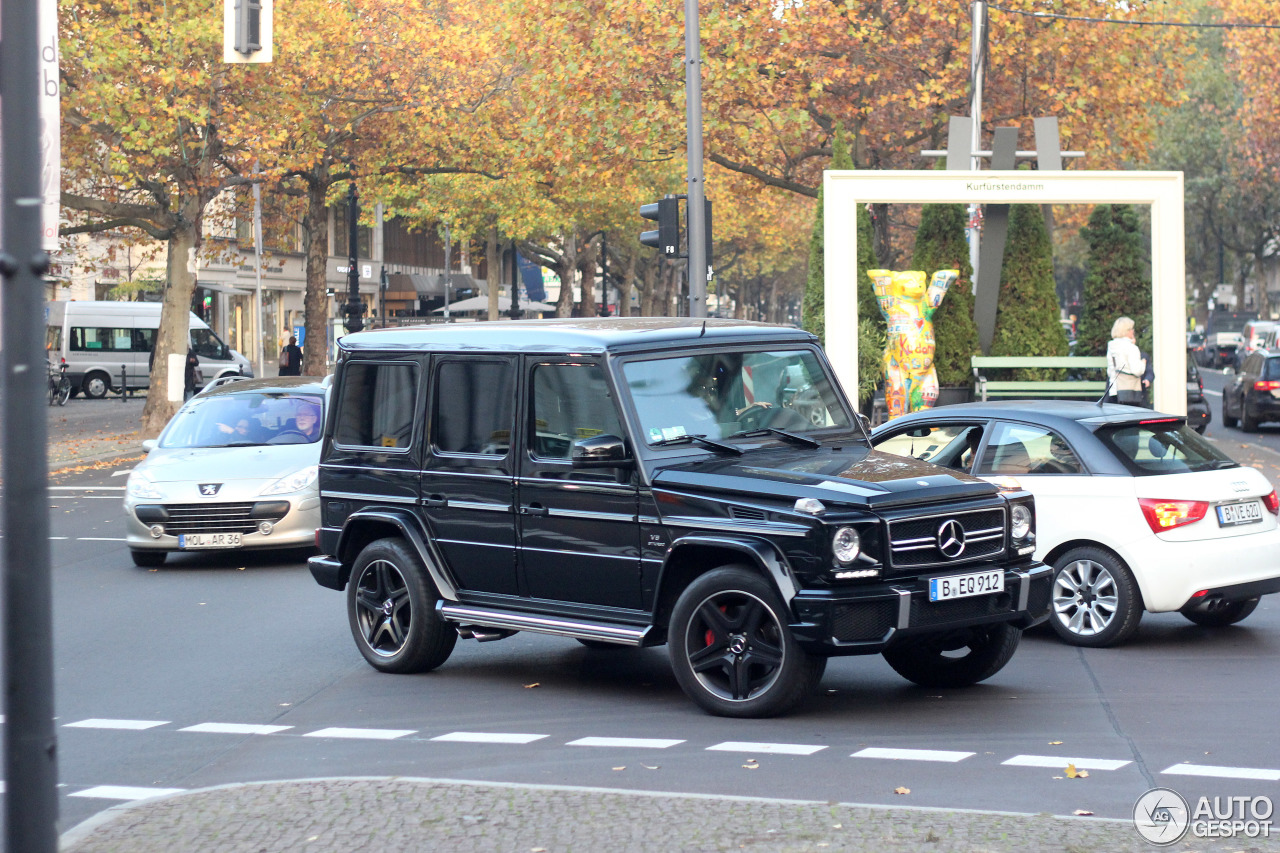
pixel 1116 283
pixel 1028 319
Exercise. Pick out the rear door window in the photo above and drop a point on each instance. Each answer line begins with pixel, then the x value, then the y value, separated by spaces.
pixel 1167 447
pixel 475 407
pixel 1024 449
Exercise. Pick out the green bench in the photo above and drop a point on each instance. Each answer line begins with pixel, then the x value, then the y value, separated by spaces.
pixel 985 389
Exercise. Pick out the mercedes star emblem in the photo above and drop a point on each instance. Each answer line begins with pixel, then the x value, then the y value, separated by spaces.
pixel 951 538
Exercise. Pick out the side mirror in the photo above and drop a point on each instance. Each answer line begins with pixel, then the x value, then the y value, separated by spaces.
pixel 865 421
pixel 148 445
pixel 600 451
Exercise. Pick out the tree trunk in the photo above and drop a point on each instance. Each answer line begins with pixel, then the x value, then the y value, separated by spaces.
pixel 625 287
pixel 649 293
pixel 493 271
pixel 174 335
pixel 568 265
pixel 315 224
pixel 587 306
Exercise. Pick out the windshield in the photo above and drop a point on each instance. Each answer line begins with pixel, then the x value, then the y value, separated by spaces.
pixel 721 394
pixel 238 420
pixel 1163 448
pixel 208 345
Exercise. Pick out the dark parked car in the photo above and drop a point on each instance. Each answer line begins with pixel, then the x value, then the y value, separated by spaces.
pixel 1199 415
pixel 1254 395
pixel 634 482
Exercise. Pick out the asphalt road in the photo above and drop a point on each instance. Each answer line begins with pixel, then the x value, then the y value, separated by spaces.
pixel 234 667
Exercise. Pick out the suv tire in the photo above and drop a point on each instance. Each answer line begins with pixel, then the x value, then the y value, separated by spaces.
pixel 391 607
pixel 1248 423
pixel 731 649
pixel 1095 601
pixel 1228 614
pixel 1227 419
pixel 926 660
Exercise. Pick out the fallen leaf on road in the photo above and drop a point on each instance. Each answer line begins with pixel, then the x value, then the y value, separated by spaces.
pixel 902 790
pixel 1082 812
pixel 1073 773
pixel 752 764
pixel 1054 742
pixel 648 767
pixel 531 686
pixel 623 767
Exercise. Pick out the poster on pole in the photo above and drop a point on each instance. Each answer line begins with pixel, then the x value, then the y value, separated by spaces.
pixel 50 128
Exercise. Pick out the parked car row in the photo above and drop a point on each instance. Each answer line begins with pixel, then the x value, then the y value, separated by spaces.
pixel 705 485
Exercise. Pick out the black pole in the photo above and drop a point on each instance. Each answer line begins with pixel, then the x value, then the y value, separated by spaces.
pixel 30 746
pixel 382 283
pixel 355 308
pixel 604 272
pixel 515 283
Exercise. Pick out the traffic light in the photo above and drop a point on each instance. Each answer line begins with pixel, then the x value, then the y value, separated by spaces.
pixel 667 238
pixel 246 31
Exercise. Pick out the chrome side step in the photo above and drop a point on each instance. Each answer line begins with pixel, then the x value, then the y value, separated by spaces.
pixel 465 614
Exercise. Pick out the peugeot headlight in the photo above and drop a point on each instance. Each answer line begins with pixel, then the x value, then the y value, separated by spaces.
pixel 846 544
pixel 142 487
pixel 294 482
pixel 1021 517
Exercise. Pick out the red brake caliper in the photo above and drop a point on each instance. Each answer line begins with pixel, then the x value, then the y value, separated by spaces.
pixel 711 637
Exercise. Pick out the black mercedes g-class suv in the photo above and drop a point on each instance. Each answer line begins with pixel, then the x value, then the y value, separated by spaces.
pixel 704 484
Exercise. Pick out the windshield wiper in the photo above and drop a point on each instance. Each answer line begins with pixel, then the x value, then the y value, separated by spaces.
pixel 780 433
pixel 240 444
pixel 698 439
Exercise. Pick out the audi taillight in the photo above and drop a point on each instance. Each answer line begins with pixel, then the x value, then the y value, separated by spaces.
pixel 1272 502
pixel 1267 385
pixel 1165 515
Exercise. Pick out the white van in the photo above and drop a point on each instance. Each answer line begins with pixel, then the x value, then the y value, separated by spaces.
pixel 98 339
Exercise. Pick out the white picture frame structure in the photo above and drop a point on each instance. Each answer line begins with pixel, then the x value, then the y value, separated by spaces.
pixel 843 191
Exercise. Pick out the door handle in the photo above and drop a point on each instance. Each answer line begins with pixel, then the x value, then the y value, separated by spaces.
pixel 534 509
pixel 436 500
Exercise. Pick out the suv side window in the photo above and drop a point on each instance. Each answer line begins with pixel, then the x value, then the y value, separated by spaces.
pixel 1271 370
pixel 474 407
pixel 570 402
pixel 377 405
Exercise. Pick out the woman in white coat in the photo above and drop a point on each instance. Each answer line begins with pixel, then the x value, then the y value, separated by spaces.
pixel 1125 364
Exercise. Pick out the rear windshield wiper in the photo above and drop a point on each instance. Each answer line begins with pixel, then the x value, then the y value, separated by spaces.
pixel 780 433
pixel 698 439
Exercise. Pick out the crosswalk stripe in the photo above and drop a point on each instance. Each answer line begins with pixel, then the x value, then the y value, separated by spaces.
pixel 123 792
pixel 1060 761
pixel 235 729
pixel 774 748
pixel 1223 772
pixel 488 737
pixel 133 725
pixel 362 734
pixel 912 754
pixel 635 742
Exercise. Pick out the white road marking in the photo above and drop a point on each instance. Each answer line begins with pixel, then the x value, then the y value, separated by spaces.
pixel 124 473
pixel 92 497
pixel 1212 393
pixel 121 792
pixel 489 737
pixel 636 742
pixel 235 729
pixel 101 539
pixel 58 538
pixel 87 488
pixel 134 725
pixel 362 734
pixel 774 748
pixel 1058 761
pixel 1223 772
pixel 912 754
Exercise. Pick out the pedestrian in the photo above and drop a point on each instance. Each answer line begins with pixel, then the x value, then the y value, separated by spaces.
pixel 1148 379
pixel 1125 365
pixel 189 375
pixel 291 358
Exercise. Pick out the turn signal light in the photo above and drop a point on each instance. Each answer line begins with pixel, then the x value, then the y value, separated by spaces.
pixel 1272 502
pixel 1267 385
pixel 1166 515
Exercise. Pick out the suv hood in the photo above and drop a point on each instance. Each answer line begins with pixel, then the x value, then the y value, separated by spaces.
pixel 853 475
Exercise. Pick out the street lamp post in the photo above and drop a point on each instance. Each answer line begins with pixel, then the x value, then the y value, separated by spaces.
pixel 355 308
pixel 382 284
pixel 515 282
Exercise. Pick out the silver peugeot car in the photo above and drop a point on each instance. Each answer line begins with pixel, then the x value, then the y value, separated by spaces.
pixel 235 468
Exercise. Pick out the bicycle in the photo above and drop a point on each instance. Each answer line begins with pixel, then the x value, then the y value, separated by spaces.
pixel 59 385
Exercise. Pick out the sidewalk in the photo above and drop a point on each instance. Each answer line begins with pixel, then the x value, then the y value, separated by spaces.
pixel 402 814
pixel 84 432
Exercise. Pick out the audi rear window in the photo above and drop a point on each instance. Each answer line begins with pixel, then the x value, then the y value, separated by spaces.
pixel 1162 447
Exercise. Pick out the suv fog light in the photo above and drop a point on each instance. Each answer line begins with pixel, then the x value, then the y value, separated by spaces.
pixel 856 573
pixel 1021 526
pixel 846 544
pixel 265 527
pixel 156 531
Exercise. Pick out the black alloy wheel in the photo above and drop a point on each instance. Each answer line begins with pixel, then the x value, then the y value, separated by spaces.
pixel 955 659
pixel 1221 614
pixel 731 649
pixel 391 607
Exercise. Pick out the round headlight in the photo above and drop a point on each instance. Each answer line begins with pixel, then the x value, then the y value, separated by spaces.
pixel 1021 521
pixel 845 545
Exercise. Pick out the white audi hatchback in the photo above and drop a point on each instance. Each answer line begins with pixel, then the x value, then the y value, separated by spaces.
pixel 1134 510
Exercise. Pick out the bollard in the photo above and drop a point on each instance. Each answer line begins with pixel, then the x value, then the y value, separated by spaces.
pixel 124 388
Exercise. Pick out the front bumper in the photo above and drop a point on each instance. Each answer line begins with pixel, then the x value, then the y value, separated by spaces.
pixel 294 529
pixel 866 620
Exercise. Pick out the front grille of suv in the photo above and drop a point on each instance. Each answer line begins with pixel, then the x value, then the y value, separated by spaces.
pixel 913 542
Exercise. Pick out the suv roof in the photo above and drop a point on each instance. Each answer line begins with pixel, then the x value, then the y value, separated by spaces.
pixel 587 334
